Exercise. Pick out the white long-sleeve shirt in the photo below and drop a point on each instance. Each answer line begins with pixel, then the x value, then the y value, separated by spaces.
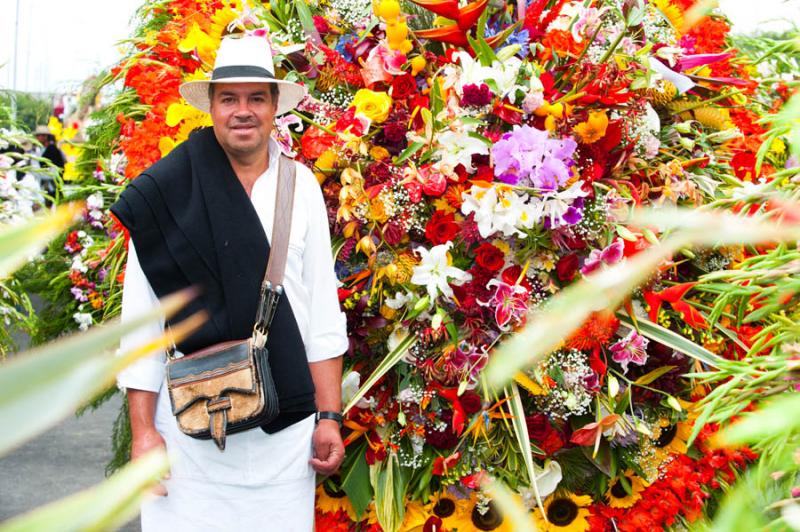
pixel 309 280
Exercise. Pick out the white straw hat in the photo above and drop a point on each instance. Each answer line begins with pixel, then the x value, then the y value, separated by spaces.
pixel 243 60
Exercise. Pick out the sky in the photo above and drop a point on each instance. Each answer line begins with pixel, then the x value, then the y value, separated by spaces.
pixel 62 42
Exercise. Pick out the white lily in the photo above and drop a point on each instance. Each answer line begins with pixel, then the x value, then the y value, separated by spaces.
pixel 435 273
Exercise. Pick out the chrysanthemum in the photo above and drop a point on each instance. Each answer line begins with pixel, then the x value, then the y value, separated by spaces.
pixel 565 512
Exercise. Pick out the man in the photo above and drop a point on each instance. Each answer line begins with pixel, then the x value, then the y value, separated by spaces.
pixel 201 217
pixel 52 153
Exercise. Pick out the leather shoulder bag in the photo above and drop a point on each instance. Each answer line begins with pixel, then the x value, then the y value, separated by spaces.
pixel 228 387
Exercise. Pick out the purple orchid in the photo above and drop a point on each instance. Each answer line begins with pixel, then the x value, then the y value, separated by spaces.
pixel 534 157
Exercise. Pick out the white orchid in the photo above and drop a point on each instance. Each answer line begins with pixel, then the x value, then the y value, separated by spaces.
pixel 435 273
pixel 500 209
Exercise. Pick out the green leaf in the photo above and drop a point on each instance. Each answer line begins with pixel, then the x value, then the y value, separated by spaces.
pixel 649 377
pixel 412 148
pixel 521 432
pixel 389 484
pixel 304 14
pixel 779 416
pixel 357 486
pixel 39 388
pixel 386 364
pixel 19 242
pixel 671 339
pixel 106 506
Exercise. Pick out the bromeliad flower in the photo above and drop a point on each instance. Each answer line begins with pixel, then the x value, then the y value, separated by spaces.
pixel 510 303
pixel 435 273
pixel 630 350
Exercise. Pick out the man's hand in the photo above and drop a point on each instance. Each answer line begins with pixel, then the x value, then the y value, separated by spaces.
pixel 328 447
pixel 144 442
pixel 144 436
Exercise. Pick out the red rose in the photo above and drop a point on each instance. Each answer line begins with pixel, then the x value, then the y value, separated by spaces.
pixel 403 86
pixel 567 266
pixel 543 435
pixel 441 228
pixel 490 257
pixel 434 184
pixel 471 402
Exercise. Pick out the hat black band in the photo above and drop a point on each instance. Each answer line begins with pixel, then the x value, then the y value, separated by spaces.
pixel 241 71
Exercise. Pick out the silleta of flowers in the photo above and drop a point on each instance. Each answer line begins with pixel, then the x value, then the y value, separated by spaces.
pixel 475 159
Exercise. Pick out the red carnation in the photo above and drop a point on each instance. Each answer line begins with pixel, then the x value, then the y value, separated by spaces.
pixel 567 266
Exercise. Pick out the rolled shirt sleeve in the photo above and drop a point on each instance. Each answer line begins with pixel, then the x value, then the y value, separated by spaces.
pixel 137 298
pixel 327 336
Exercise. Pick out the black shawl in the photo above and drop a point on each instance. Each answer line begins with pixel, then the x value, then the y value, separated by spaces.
pixel 194 225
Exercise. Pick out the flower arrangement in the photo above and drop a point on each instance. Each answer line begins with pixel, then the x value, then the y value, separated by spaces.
pixel 475 160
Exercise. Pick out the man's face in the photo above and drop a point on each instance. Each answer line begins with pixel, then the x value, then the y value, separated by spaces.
pixel 242 114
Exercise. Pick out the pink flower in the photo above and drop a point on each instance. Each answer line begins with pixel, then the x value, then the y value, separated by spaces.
pixel 510 302
pixel 612 254
pixel 630 350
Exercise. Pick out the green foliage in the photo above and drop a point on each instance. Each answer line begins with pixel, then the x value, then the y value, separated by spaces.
pixel 32 110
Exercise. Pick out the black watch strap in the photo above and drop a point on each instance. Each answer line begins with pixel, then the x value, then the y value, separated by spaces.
pixel 335 416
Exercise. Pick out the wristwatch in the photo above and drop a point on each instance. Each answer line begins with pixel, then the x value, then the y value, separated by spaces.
pixel 335 416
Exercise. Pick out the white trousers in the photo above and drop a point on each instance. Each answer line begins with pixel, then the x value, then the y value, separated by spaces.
pixel 260 482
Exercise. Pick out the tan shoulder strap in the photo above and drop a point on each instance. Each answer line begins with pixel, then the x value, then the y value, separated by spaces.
pixel 272 285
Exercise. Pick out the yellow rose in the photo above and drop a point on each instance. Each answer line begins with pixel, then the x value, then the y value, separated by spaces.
pixel 374 105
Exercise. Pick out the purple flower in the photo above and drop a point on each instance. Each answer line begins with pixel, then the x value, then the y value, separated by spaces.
pixel 612 254
pixel 531 154
pixel 630 350
pixel 78 294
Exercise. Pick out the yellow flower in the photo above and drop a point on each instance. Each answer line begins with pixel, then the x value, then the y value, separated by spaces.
pixel 670 438
pixel 565 511
pixel 593 129
pixel 671 12
pixel 454 513
pixel 70 172
pixel 330 501
pixel 199 41
pixel 55 127
pixel 165 145
pixel 618 496
pixel 417 64
pixel 379 153
pixel 374 105
pixel 415 516
pixel 490 519
pixel 325 165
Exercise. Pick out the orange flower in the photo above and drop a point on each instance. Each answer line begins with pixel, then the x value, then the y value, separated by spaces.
pixel 596 332
pixel 593 129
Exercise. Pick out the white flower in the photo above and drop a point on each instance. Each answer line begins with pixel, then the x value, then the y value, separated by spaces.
pixel 399 300
pixel 500 209
pixel 505 76
pixel 434 271
pixel 350 385
pixel 78 265
pixel 554 204
pixel 83 319
pixel 95 201
pixel 457 147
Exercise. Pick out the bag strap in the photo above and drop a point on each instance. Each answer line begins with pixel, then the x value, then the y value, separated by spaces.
pixel 272 285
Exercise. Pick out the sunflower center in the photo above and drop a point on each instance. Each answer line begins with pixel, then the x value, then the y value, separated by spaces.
pixel 444 508
pixel 618 491
pixel 666 436
pixel 562 512
pixel 489 520
pixel 331 491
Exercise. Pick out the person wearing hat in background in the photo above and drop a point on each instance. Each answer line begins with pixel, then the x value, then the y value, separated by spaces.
pixel 200 217
pixel 50 151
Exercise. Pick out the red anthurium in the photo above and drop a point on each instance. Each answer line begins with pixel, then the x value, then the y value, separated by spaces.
pixel 475 480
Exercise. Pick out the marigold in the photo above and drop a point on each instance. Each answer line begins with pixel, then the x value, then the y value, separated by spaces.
pixel 593 129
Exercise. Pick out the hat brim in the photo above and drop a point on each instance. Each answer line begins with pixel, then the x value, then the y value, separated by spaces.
pixel 196 92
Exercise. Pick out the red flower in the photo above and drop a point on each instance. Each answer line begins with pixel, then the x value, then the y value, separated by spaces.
pixel 403 86
pixel 441 228
pixel 567 266
pixel 314 142
pixel 543 434
pixel 490 257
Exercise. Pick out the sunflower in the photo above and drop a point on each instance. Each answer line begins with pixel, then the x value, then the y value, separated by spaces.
pixel 618 496
pixel 454 513
pixel 416 515
pixel 671 12
pixel 670 438
pixel 485 517
pixel 331 500
pixel 565 511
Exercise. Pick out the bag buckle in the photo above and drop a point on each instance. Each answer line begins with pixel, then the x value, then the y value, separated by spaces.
pixel 218 419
